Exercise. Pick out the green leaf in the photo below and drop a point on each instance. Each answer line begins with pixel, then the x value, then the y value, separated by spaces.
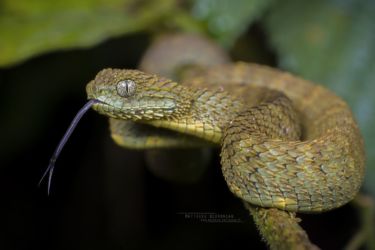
pixel 332 42
pixel 30 27
pixel 226 20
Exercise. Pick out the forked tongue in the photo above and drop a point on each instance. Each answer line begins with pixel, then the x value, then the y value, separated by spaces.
pixel 64 139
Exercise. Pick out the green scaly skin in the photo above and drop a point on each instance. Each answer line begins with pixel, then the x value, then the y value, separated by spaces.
pixel 266 159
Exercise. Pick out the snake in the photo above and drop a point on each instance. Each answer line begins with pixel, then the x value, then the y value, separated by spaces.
pixel 285 142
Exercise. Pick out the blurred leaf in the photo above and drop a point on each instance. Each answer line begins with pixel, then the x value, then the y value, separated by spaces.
pixel 30 27
pixel 228 19
pixel 332 42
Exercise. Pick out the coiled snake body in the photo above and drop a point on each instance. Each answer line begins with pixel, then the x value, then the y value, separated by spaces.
pixel 285 142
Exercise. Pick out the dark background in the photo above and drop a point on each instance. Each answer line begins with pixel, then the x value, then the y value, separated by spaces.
pixel 103 196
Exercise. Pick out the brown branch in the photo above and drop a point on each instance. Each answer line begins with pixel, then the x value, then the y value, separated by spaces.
pixel 280 229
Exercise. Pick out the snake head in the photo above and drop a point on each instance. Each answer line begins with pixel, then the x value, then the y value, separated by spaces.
pixel 135 95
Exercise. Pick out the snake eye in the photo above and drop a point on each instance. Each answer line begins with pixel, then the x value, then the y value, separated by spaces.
pixel 126 88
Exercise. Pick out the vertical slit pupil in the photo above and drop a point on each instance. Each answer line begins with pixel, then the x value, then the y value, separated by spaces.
pixel 127 88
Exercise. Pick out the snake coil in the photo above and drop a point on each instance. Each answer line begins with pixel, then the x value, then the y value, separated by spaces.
pixel 285 142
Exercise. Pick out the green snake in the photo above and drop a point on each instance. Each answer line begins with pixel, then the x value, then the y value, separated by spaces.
pixel 285 142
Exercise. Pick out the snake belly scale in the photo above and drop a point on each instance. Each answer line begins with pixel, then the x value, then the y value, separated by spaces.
pixel 285 142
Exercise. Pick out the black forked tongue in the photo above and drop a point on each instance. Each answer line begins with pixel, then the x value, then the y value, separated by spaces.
pixel 60 146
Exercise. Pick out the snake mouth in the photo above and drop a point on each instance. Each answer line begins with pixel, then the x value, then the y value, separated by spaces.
pixel 152 109
pixel 105 108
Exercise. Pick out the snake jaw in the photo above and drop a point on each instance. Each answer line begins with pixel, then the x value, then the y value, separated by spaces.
pixel 127 111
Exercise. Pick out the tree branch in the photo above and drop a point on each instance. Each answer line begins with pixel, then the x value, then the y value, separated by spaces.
pixel 280 229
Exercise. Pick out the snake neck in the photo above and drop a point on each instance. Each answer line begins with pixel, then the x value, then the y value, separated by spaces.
pixel 213 110
pixel 209 113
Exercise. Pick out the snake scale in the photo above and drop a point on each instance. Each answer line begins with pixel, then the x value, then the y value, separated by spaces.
pixel 285 142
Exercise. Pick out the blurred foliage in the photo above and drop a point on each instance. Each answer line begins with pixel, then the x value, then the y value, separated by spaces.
pixel 50 25
pixel 31 27
pixel 329 41
pixel 332 42
pixel 226 20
